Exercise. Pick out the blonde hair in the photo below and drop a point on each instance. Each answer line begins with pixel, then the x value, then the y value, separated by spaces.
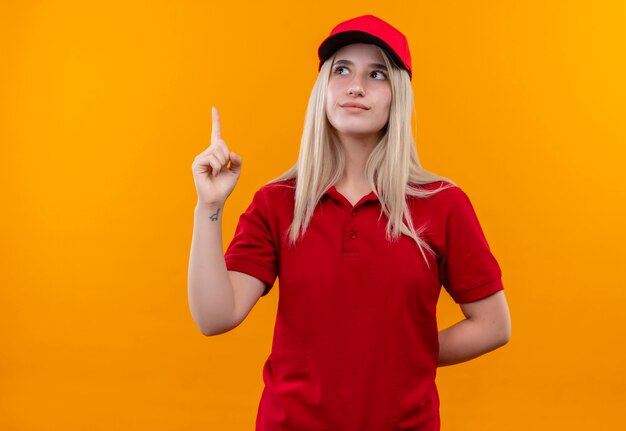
pixel 393 169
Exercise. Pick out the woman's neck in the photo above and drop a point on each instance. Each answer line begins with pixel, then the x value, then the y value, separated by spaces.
pixel 356 150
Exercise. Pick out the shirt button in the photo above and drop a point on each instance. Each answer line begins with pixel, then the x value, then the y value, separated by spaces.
pixel 353 234
pixel 353 213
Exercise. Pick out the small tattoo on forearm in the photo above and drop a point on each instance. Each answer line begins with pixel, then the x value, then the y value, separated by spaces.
pixel 214 216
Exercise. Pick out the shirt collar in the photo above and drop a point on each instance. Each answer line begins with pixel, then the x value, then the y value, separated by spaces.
pixel 334 193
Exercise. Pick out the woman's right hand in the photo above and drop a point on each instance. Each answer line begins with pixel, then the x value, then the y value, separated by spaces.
pixel 214 180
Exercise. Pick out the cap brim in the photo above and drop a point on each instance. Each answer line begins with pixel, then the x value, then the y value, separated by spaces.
pixel 333 43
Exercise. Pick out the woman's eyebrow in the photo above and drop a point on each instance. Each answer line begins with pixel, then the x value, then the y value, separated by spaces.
pixel 349 63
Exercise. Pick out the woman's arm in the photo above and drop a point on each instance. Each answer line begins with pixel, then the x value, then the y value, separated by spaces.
pixel 487 326
pixel 210 294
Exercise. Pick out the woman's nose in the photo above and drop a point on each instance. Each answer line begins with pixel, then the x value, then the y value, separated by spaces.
pixel 356 85
pixel 355 88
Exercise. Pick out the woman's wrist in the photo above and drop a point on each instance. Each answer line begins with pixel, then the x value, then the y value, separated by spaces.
pixel 209 209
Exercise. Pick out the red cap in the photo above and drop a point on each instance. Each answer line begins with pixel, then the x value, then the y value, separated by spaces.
pixel 368 29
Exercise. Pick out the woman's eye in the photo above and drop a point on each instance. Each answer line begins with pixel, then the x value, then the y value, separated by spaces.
pixel 383 76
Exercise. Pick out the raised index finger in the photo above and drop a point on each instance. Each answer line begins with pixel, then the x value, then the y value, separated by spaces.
pixel 216 128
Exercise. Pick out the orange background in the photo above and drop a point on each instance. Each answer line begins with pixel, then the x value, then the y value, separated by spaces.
pixel 104 106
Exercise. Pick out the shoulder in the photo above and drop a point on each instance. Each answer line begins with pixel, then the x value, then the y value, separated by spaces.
pixel 276 197
pixel 441 199
pixel 440 191
pixel 277 190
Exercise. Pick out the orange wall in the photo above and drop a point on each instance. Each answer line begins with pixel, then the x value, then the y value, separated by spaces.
pixel 104 106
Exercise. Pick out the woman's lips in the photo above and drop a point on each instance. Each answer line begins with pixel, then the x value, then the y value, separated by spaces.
pixel 354 108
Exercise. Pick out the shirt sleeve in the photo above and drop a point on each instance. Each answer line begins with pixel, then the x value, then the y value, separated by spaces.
pixel 252 249
pixel 468 269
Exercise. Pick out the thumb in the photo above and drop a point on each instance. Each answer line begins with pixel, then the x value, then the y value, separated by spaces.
pixel 235 162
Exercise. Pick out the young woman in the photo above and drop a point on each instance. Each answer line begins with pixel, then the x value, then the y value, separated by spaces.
pixel 361 238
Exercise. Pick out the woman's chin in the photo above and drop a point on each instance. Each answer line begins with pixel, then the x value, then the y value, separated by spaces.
pixel 355 132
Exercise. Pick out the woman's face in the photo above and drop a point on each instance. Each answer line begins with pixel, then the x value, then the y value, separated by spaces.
pixel 358 76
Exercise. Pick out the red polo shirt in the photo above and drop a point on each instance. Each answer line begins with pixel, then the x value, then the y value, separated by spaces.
pixel 356 343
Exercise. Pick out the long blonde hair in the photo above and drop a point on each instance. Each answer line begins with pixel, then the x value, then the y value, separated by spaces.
pixel 393 169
